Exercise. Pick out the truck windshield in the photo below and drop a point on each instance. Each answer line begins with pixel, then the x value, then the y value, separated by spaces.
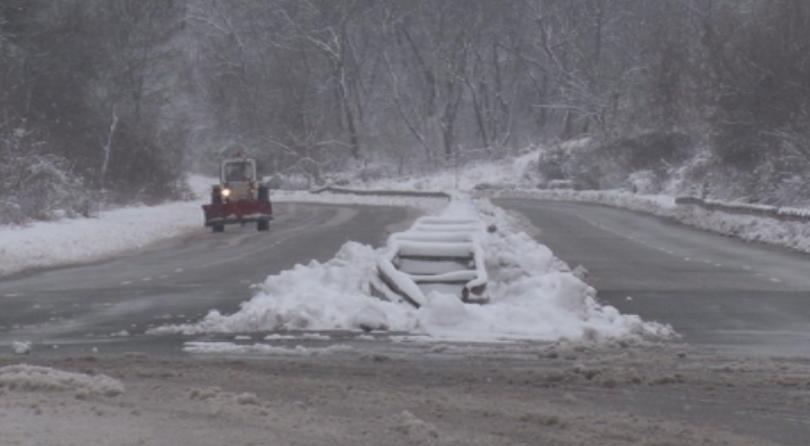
pixel 238 171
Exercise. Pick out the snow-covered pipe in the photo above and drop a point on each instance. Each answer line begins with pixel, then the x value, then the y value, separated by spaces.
pixel 437 238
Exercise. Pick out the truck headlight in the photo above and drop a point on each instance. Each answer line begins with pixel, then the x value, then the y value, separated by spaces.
pixel 226 192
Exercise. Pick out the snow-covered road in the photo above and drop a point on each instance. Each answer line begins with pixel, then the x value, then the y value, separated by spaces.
pixel 183 278
pixel 711 289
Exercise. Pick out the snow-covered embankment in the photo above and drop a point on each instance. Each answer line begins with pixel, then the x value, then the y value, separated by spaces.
pixel 47 244
pixel 793 234
pixel 110 233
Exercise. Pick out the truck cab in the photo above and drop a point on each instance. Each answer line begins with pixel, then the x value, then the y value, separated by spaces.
pixel 238 179
pixel 240 197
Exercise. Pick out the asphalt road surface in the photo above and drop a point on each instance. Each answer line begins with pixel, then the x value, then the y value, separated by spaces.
pixel 180 280
pixel 726 297
pixel 713 290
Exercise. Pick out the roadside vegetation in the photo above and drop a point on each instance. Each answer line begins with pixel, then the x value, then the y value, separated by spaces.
pixel 111 101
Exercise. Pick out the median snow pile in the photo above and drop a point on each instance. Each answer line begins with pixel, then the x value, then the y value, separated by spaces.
pixel 533 296
pixel 31 378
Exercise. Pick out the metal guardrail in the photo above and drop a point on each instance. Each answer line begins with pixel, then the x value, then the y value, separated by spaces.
pixel 757 210
pixel 603 198
pixel 397 193
pixel 436 251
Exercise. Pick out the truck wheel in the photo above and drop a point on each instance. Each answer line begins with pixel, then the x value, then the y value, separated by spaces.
pixel 263 194
pixel 218 228
pixel 263 225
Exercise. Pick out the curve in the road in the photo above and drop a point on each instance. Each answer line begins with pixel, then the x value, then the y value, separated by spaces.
pixel 713 289
pixel 182 279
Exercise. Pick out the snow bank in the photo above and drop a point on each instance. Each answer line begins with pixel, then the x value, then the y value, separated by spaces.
pixel 112 232
pixel 34 378
pixel 533 296
pixel 789 234
pixel 46 244
pixel 662 205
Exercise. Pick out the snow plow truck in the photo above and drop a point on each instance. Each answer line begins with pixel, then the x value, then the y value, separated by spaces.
pixel 240 197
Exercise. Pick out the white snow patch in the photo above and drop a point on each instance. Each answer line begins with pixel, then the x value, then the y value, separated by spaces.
pixel 416 429
pixel 316 336
pixel 35 378
pixel 278 337
pixel 21 347
pixel 263 349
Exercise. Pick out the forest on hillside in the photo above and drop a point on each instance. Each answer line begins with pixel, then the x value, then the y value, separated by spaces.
pixel 113 101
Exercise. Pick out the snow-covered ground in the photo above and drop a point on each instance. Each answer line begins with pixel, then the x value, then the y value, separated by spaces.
pixel 46 244
pixel 415 394
pixel 533 296
pixel 112 232
pixel 512 170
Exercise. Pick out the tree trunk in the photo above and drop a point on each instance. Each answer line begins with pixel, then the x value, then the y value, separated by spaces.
pixel 108 148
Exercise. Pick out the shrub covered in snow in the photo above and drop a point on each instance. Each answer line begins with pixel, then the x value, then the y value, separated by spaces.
pixel 35 185
pixel 641 162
